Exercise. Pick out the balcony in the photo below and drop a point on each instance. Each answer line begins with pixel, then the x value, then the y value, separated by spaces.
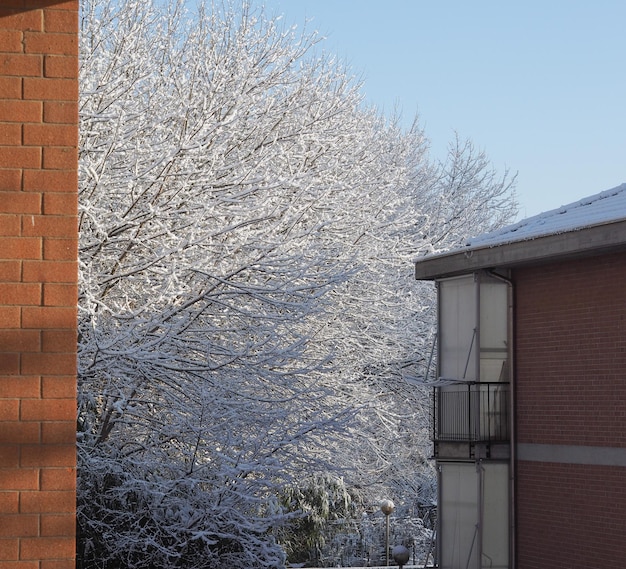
pixel 471 420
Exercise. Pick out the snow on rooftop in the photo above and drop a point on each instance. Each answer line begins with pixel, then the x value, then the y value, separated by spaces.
pixel 605 207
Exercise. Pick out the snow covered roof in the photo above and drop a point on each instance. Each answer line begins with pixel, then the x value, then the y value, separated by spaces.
pixel 589 226
pixel 606 207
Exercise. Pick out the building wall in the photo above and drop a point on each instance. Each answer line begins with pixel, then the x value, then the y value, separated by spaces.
pixel 571 413
pixel 38 281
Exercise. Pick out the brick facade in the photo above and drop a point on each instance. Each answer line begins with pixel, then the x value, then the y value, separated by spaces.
pixel 38 281
pixel 570 515
pixel 571 392
pixel 571 352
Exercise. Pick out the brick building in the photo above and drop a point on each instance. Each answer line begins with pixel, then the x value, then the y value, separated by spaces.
pixel 530 401
pixel 38 281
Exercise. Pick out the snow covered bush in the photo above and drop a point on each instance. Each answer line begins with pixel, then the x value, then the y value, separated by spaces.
pixel 247 309
pixel 319 502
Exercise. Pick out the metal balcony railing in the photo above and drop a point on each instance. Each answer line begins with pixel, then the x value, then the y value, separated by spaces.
pixel 471 412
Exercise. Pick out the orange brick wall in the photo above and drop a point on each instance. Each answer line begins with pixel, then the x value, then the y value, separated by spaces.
pixel 38 282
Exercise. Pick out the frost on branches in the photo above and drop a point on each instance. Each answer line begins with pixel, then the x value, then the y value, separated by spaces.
pixel 247 308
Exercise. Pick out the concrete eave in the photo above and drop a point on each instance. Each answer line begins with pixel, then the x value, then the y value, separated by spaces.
pixel 598 239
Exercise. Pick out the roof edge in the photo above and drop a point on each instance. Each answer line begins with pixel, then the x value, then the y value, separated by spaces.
pixel 592 240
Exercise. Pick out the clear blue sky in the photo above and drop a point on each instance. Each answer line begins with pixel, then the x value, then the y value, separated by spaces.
pixel 540 85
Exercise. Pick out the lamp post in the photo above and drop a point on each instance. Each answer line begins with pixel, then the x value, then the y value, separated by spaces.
pixel 386 507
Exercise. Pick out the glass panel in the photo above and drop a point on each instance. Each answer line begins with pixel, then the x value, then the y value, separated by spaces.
pixel 493 330
pixel 463 518
pixel 493 353
pixel 458 516
pixel 457 328
pixel 475 409
pixel 495 554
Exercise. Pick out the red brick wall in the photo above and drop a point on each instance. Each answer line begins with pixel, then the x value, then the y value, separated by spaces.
pixel 570 516
pixel 571 390
pixel 571 352
pixel 38 281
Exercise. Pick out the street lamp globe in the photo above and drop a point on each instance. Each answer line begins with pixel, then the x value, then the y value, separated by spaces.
pixel 386 507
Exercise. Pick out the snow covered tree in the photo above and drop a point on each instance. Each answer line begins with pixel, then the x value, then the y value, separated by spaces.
pixel 247 309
